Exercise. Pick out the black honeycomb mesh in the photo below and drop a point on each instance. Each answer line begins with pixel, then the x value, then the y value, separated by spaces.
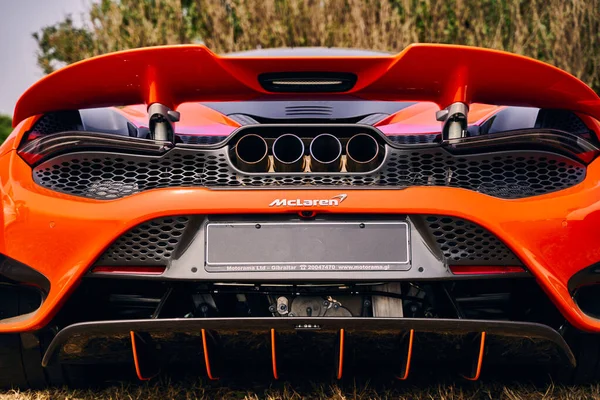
pixel 415 139
pixel 61 121
pixel 151 243
pixel 509 174
pixel 201 139
pixel 462 242
pixel 110 176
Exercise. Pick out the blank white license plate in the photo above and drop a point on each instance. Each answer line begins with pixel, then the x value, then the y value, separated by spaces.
pixel 307 246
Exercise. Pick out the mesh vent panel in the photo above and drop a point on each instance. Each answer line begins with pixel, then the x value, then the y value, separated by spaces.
pixel 204 139
pixel 414 139
pixel 152 242
pixel 510 174
pixel 463 242
pixel 62 121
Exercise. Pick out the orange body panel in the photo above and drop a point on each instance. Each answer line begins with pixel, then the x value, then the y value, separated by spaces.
pixel 555 235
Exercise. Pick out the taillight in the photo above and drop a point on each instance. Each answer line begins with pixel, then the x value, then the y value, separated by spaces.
pixel 47 146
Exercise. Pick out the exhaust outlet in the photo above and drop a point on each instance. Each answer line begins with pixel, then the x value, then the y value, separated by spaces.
pixel 325 154
pixel 251 153
pixel 288 153
pixel 362 153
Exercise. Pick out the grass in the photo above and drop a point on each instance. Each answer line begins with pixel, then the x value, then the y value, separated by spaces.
pixel 164 389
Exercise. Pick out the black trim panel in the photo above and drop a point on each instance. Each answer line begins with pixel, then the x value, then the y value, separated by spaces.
pixel 15 272
pixel 451 326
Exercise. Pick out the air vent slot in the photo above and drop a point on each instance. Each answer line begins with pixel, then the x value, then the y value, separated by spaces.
pixel 308 111
pixel 307 82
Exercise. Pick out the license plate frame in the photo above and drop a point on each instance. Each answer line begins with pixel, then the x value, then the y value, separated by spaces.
pixel 307 246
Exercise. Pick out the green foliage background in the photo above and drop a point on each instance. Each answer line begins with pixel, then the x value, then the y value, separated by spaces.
pixel 565 33
pixel 5 127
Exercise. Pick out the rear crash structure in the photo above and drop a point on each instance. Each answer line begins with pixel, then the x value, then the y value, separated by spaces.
pixel 303 213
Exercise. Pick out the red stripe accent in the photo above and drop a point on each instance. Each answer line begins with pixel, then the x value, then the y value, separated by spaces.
pixel 485 269
pixel 274 355
pixel 408 355
pixel 148 270
pixel 206 357
pixel 341 359
pixel 136 361
pixel 479 359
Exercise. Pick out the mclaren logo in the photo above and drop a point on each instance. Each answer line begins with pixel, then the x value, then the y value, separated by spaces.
pixel 334 201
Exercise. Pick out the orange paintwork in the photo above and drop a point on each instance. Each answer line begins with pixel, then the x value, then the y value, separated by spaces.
pixel 274 354
pixel 479 359
pixel 420 118
pixel 174 75
pixel 206 357
pixel 61 235
pixel 408 356
pixel 136 361
pixel 193 116
pixel 340 368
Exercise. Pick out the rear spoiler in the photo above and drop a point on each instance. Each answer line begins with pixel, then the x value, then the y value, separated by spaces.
pixel 448 75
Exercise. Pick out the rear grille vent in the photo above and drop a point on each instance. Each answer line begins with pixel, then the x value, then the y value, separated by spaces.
pixel 462 242
pixel 308 111
pixel 151 243
pixel 459 241
pixel 60 121
pixel 415 139
pixel 203 139
pixel 509 174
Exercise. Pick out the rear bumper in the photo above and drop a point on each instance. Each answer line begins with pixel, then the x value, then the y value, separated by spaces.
pixel 61 236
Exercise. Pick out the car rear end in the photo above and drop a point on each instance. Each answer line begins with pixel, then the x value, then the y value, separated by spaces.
pixel 302 231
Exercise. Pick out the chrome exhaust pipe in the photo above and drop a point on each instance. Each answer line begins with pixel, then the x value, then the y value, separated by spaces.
pixel 325 153
pixel 288 153
pixel 251 153
pixel 362 153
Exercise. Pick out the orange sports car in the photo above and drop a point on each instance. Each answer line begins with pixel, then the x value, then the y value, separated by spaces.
pixel 300 211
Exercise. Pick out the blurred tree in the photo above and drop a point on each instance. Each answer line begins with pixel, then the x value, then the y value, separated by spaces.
pixel 565 33
pixel 62 44
pixel 5 127
pixel 114 25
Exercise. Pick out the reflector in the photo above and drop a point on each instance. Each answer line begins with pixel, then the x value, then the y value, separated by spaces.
pixel 141 270
pixel 485 269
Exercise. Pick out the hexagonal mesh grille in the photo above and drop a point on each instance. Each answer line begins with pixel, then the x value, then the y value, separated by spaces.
pixel 413 139
pixel 463 242
pixel 509 174
pixel 61 121
pixel 201 139
pixel 152 242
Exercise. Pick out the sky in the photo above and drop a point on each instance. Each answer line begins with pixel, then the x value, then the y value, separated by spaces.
pixel 21 18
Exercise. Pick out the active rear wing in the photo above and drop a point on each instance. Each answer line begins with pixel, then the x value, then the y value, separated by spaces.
pixel 164 77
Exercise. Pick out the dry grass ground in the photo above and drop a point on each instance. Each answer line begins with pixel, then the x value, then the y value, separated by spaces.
pixel 197 390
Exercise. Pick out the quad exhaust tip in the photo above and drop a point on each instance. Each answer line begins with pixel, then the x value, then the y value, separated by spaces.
pixel 362 153
pixel 288 153
pixel 326 153
pixel 251 153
